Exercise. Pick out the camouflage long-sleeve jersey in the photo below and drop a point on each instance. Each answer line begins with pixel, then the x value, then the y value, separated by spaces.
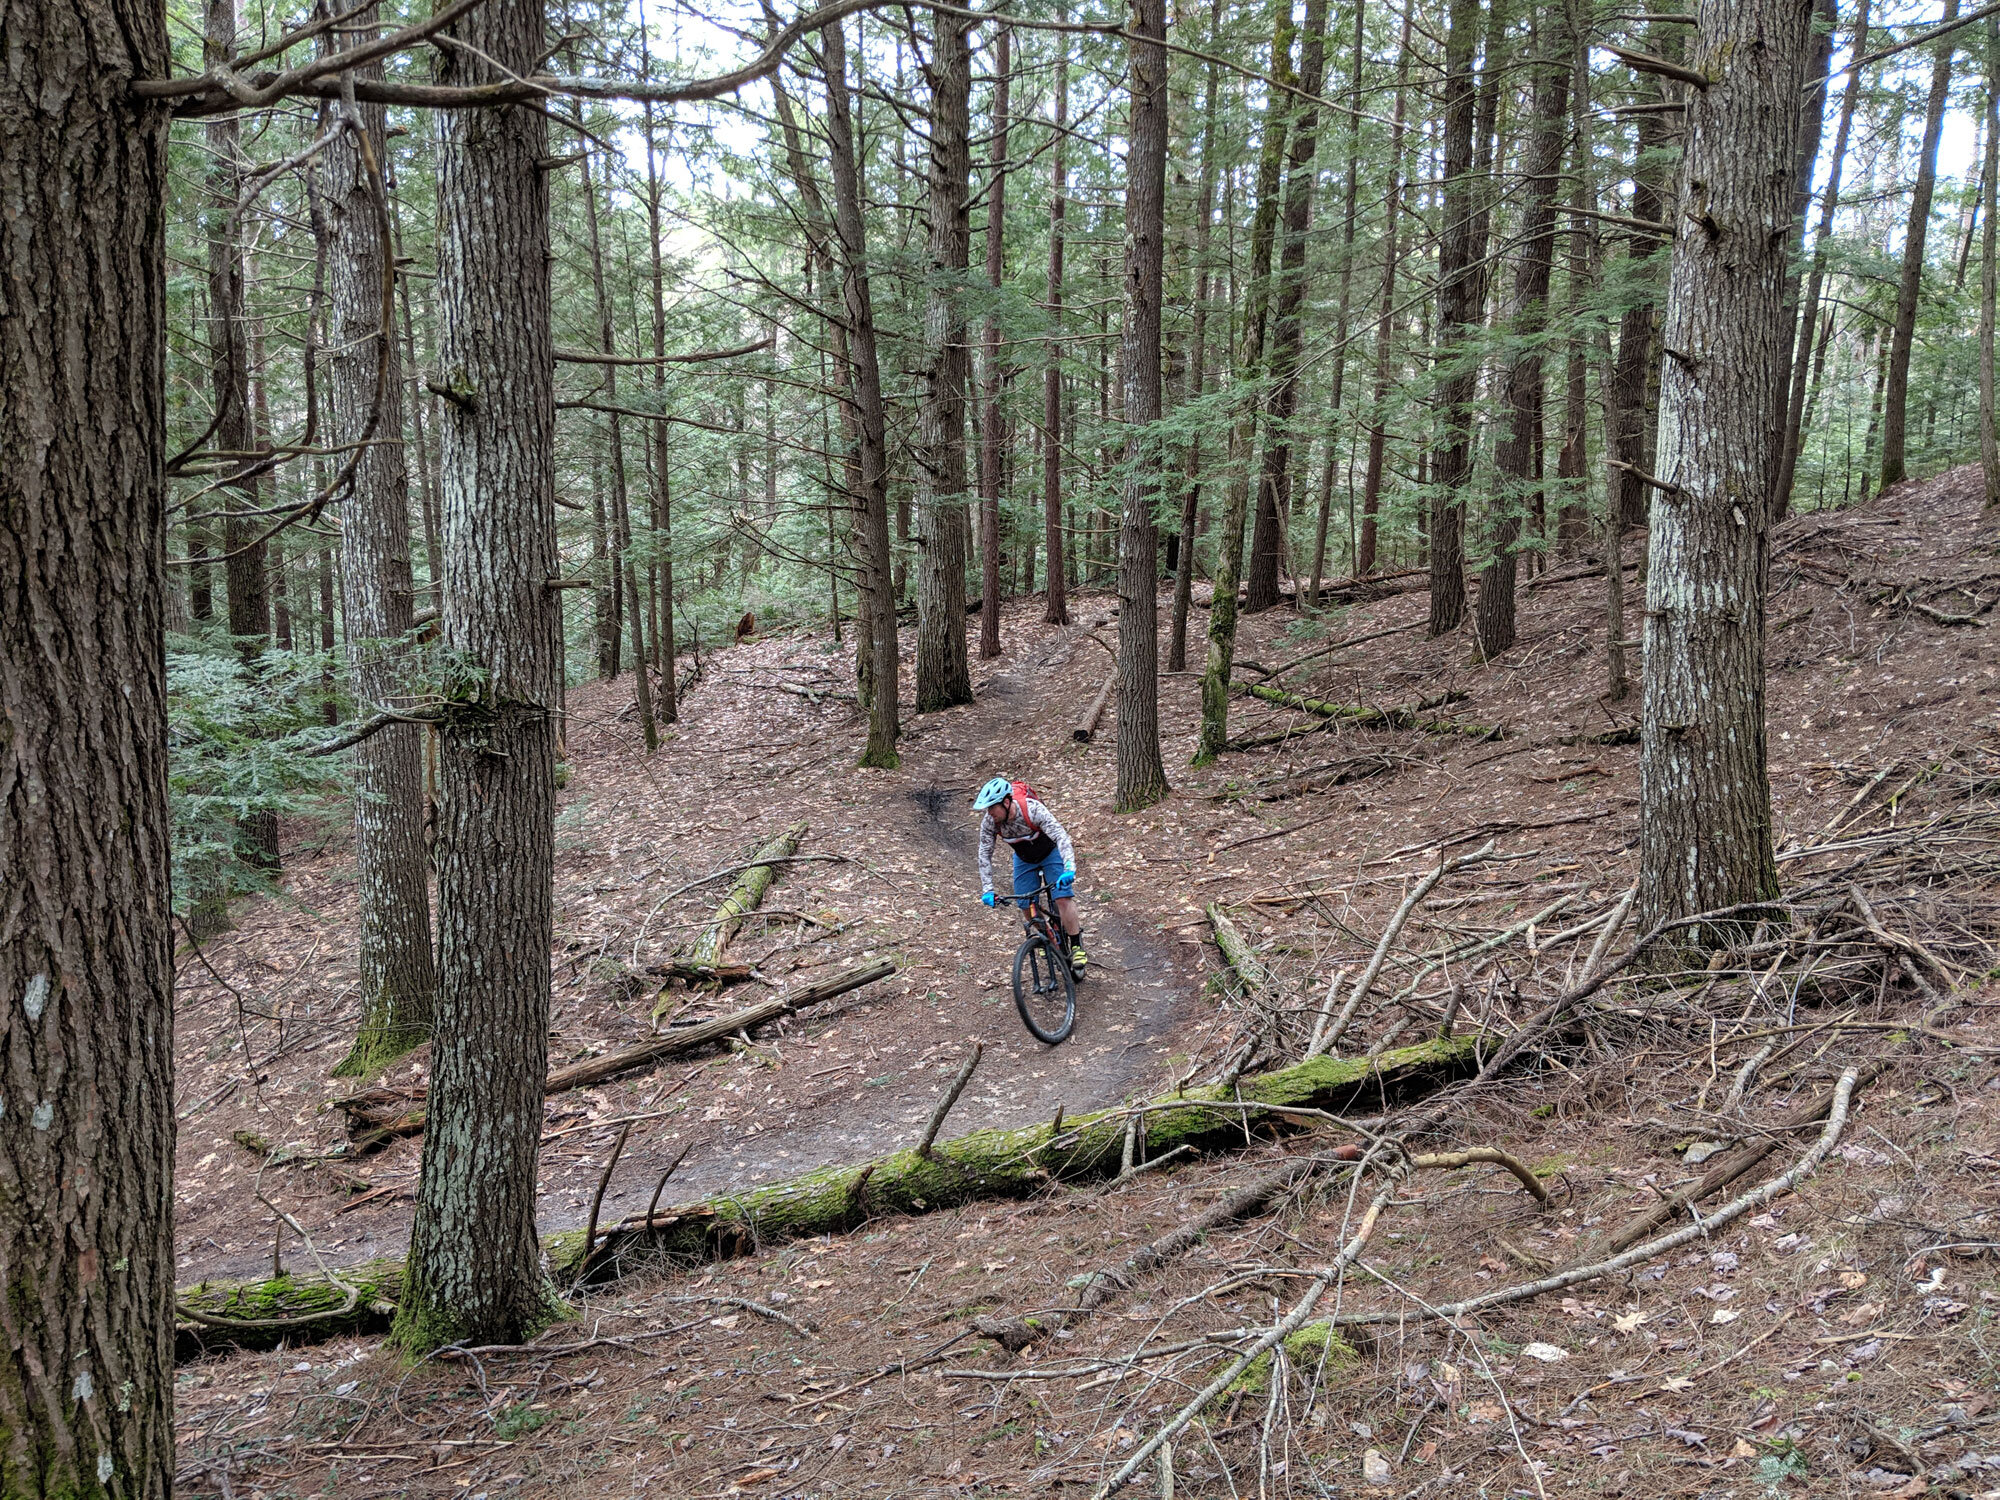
pixel 1031 837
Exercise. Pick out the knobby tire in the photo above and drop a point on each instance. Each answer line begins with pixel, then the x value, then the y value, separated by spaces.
pixel 1043 985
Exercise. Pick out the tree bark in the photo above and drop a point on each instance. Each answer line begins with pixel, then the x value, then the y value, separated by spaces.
pixel 1705 799
pixel 364 366
pixel 944 678
pixel 1459 298
pixel 849 223
pixel 1274 482
pixel 1214 733
pixel 1896 389
pixel 86 948
pixel 1385 325
pixel 474 1272
pixel 1515 455
pixel 1142 774
pixel 993 444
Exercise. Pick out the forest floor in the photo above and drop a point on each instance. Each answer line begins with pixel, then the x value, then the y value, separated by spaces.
pixel 1838 1342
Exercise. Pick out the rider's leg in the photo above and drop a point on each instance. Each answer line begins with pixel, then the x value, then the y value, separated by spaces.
pixel 1027 880
pixel 1066 909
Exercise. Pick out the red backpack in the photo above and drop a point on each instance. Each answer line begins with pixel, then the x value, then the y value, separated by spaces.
pixel 1022 792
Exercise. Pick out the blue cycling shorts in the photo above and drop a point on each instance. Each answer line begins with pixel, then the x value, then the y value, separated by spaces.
pixel 1029 876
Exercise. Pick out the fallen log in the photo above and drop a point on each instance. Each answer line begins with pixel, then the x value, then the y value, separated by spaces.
pixel 1236 951
pixel 743 898
pixel 1087 725
pixel 388 1113
pixel 264 1314
pixel 832 1200
pixel 1369 718
pixel 1347 591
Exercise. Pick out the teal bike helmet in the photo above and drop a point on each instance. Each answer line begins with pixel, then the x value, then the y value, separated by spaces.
pixel 993 793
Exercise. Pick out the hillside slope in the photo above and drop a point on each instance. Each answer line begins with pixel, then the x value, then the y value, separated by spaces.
pixel 1813 1345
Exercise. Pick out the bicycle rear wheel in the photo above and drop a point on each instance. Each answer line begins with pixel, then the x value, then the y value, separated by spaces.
pixel 1044 991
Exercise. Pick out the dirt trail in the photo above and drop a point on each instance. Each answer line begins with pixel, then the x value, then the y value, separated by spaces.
pixel 864 1080
pixel 1127 1013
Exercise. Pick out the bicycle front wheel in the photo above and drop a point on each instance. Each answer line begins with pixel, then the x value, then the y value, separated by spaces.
pixel 1044 991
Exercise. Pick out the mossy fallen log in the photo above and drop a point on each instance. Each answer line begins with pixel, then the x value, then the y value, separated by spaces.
pixel 264 1314
pixel 1236 950
pixel 743 897
pixel 983 1164
pixel 1015 1163
pixel 1363 717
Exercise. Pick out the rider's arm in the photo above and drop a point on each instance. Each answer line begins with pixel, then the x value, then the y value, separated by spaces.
pixel 985 855
pixel 1048 823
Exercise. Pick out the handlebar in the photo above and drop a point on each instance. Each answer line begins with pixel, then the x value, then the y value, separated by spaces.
pixel 1044 889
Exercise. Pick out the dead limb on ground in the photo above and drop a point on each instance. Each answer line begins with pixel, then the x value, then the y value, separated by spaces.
pixel 1357 716
pixel 376 1116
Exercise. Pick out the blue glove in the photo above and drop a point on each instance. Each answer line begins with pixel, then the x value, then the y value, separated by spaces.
pixel 987 898
pixel 1066 883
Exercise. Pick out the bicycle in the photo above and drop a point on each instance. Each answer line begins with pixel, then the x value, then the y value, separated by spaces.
pixel 1044 983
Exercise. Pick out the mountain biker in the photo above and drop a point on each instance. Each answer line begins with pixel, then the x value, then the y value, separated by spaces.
pixel 1042 852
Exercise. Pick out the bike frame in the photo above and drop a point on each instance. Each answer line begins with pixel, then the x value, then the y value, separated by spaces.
pixel 1038 914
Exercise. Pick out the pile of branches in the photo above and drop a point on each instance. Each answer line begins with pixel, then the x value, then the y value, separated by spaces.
pixel 1889 915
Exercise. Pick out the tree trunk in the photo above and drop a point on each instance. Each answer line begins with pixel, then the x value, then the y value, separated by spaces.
pixel 880 602
pixel 1341 306
pixel 937 502
pixel 1705 799
pixel 86 950
pixel 1197 364
pixel 398 978
pixel 1263 232
pixel 244 564
pixel 1637 356
pixel 944 678
pixel 1459 288
pixel 1514 456
pixel 1053 571
pixel 993 445
pixel 474 1273
pixel 662 516
pixel 1989 271
pixel 621 505
pixel 1801 321
pixel 426 482
pixel 606 588
pixel 1896 390
pixel 1274 482
pixel 1142 774
pixel 1572 461
pixel 1385 325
